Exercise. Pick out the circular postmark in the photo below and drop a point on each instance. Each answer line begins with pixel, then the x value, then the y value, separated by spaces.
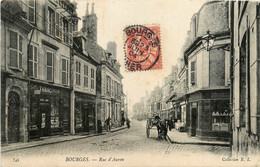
pixel 142 48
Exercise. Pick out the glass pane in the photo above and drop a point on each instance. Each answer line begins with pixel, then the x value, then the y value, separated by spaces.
pixel 31 3
pixel 30 53
pixel 49 73
pixel 64 78
pixel 31 14
pixel 20 60
pixel 35 54
pixel 13 40
pixel 49 59
pixel 20 43
pixel 13 58
pixel 35 70
pixel 31 68
pixel 63 65
pixel 85 81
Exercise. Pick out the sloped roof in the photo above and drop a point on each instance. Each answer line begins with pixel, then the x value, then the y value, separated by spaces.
pixel 95 51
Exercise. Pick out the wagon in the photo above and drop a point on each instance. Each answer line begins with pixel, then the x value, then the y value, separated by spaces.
pixel 150 124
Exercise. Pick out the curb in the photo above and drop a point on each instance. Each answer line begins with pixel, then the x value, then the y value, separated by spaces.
pixel 61 141
pixel 199 143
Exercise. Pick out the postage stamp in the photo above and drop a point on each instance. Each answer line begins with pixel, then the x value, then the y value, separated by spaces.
pixel 142 48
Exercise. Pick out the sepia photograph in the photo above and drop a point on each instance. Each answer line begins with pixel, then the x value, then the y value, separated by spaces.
pixel 127 83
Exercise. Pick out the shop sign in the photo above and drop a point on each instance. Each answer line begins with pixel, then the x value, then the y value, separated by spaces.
pixel 45 90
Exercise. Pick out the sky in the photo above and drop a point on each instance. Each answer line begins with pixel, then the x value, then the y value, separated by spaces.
pixel 173 17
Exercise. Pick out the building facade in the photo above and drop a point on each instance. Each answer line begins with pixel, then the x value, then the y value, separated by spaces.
pixel 208 74
pixel 15 28
pixel 245 69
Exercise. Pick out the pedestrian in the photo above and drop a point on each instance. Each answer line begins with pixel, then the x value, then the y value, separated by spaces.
pixel 123 121
pixel 108 123
pixel 99 126
pixel 128 123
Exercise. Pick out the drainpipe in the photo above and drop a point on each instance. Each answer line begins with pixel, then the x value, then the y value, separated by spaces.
pixel 231 3
pixel 29 85
pixel 248 78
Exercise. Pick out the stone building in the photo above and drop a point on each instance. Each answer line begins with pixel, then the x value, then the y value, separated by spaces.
pixel 208 73
pixel 109 90
pixel 245 69
pixel 84 70
pixel 15 28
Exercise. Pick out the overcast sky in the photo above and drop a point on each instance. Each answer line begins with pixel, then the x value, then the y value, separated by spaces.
pixel 174 20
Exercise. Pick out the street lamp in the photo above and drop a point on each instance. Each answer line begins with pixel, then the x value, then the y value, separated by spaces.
pixel 207 41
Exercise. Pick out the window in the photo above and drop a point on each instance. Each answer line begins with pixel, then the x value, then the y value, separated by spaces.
pixel 86 76
pixel 193 73
pixel 77 73
pixel 65 71
pixel 92 78
pixel 58 26
pixel 51 21
pixel 65 31
pixel 33 61
pixel 32 11
pixel 108 85
pixel 16 49
pixel 220 114
pixel 49 66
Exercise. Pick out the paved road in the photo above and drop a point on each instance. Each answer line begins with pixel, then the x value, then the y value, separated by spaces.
pixel 127 147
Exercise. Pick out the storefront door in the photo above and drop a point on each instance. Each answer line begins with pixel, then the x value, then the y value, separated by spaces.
pixel 85 118
pixel 13 117
pixel 194 122
pixel 45 119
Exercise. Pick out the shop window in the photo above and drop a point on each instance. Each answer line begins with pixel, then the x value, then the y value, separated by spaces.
pixel 193 73
pixel 51 21
pixel 55 116
pixel 92 78
pixel 78 115
pixel 86 76
pixel 33 61
pixel 78 73
pixel 31 13
pixel 50 66
pixel 16 52
pixel 65 71
pixel 220 115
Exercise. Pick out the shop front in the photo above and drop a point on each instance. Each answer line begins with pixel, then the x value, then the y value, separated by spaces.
pixel 50 111
pixel 84 113
pixel 210 115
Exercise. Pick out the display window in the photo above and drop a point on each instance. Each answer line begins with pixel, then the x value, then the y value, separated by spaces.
pixel 220 115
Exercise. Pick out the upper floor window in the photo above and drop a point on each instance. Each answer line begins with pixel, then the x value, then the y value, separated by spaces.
pixel 65 31
pixel 85 76
pixel 65 71
pixel 58 26
pixel 92 78
pixel 51 21
pixel 50 66
pixel 33 61
pixel 108 85
pixel 77 73
pixel 32 5
pixel 193 73
pixel 16 51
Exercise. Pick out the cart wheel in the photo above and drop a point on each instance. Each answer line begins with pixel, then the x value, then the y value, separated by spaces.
pixel 147 131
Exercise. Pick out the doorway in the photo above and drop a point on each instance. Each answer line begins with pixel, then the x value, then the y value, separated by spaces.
pixel 13 117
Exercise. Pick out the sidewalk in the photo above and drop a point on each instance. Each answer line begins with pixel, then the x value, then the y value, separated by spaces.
pixel 182 138
pixel 52 140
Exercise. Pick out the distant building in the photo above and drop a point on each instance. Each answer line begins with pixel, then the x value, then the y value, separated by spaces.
pixel 89 25
pixel 112 48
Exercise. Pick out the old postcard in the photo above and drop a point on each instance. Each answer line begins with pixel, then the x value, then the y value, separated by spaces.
pixel 130 83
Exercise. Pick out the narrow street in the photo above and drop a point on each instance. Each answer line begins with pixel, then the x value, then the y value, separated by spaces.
pixel 128 146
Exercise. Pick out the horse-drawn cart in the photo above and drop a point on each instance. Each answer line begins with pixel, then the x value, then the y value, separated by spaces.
pixel 150 124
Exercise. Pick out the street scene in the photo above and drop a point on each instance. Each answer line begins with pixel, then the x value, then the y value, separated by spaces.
pixel 130 83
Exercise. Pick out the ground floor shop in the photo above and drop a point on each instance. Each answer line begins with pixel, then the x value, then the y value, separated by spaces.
pixel 14 109
pixel 49 110
pixel 111 108
pixel 209 115
pixel 85 117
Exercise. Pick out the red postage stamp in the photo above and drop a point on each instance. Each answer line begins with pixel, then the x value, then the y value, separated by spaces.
pixel 142 48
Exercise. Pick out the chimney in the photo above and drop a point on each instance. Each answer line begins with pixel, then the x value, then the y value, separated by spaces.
pixel 87 10
pixel 92 11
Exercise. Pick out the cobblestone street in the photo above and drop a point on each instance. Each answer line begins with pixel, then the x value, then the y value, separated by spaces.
pixel 128 146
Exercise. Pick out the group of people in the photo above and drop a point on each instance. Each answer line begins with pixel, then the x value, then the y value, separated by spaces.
pixel 108 123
